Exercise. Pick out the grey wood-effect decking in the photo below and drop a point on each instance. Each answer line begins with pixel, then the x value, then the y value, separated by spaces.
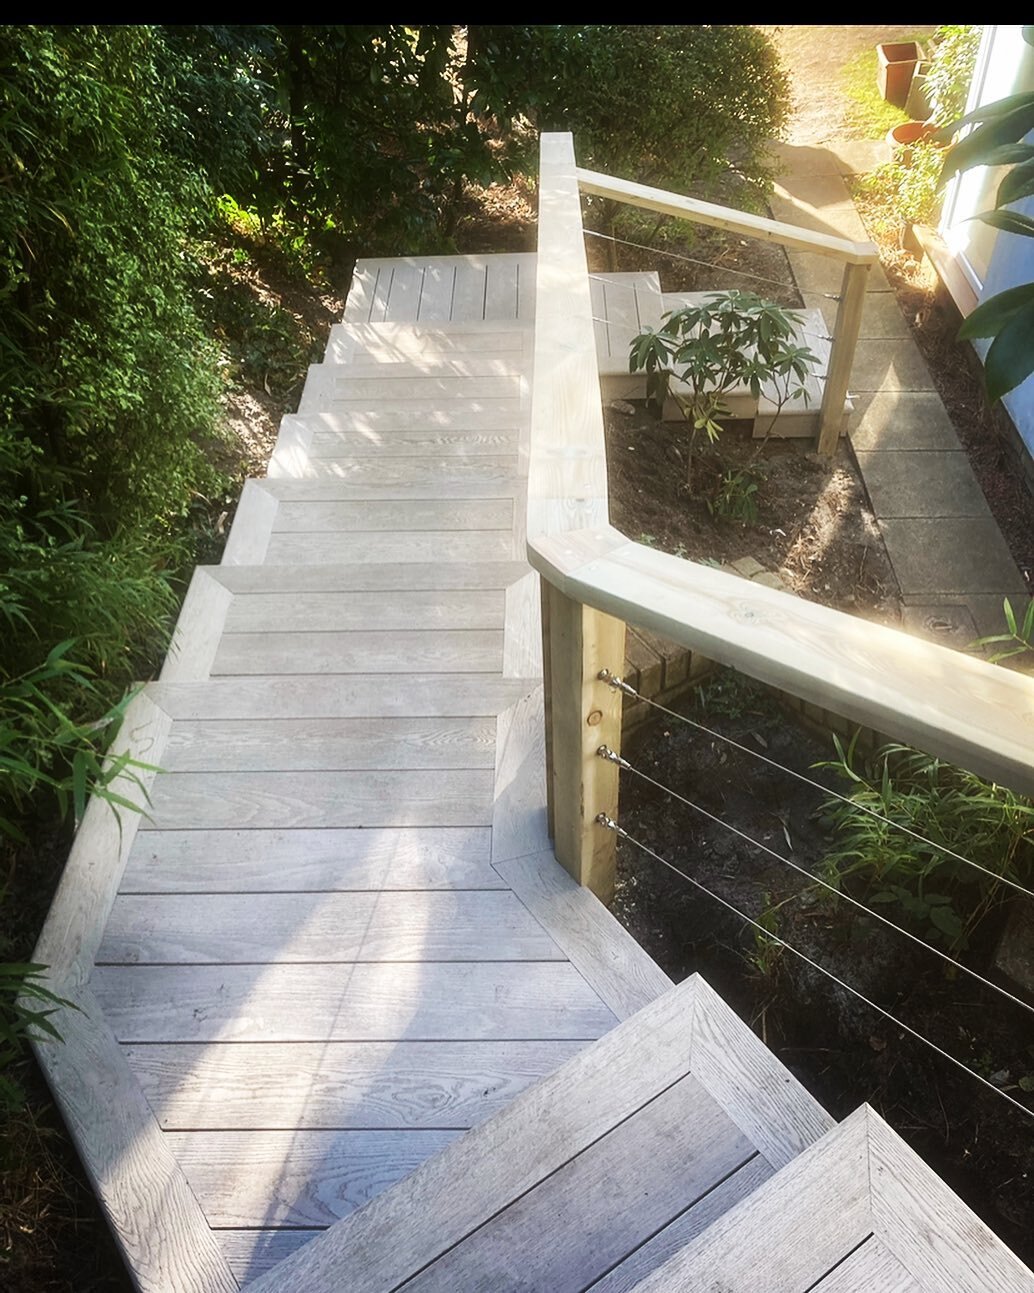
pixel 343 1022
pixel 315 968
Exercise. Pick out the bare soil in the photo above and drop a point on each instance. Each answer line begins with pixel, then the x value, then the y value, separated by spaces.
pixel 814 527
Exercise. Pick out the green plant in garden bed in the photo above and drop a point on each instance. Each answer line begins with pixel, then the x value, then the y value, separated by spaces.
pixel 729 340
pixel 946 808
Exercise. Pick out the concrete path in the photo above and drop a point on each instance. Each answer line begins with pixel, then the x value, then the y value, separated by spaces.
pixel 950 559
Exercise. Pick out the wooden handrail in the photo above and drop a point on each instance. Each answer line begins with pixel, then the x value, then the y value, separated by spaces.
pixel 955 706
pixel 741 222
pixel 594 580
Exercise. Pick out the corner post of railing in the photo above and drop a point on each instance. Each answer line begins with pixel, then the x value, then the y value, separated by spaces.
pixel 583 714
pixel 567 496
pixel 841 355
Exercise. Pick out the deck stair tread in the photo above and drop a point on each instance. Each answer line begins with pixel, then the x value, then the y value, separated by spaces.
pixel 355 1015
pixel 663 1123
pixel 856 1211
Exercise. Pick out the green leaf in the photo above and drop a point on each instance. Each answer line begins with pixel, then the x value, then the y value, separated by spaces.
pixel 976 147
pixel 1019 183
pixel 1010 359
pixel 989 112
pixel 1008 222
pixel 946 920
pixel 1026 1083
pixel 990 317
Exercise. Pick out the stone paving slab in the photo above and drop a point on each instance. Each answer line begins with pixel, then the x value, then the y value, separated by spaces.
pixel 901 420
pixel 889 365
pixel 815 191
pixel 923 483
pixel 985 609
pixel 948 555
pixel 950 624
pixel 881 317
pixel 841 222
pixel 852 157
pixel 816 273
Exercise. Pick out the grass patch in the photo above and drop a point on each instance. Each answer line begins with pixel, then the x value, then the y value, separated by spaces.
pixel 870 115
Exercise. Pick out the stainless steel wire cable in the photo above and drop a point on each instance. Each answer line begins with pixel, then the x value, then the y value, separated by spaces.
pixel 610 756
pixel 627 690
pixel 693 260
pixel 609 824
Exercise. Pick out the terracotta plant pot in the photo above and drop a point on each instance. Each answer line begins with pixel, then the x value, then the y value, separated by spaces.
pixel 895 64
pixel 901 138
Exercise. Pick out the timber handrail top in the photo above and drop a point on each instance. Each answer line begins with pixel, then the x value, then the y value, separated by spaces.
pixel 958 707
pixel 753 226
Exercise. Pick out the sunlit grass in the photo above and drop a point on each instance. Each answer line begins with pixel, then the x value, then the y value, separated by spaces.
pixel 870 115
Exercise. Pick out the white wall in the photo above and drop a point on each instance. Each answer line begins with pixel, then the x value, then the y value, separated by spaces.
pixel 992 260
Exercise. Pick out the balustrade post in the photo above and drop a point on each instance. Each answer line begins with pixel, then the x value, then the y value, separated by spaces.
pixel 841 355
pixel 582 713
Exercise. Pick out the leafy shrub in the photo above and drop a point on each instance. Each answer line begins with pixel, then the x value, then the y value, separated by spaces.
pixel 730 339
pixel 688 108
pixel 941 807
pixel 951 70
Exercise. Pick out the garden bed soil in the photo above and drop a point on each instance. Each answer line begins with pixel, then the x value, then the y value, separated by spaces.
pixel 843 1051
pixel 814 526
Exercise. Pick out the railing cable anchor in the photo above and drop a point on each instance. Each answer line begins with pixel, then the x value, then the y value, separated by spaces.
pixel 605 752
pixel 618 684
pixel 610 824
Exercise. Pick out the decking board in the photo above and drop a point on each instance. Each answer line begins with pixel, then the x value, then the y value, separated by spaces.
pixel 495 1001
pixel 330 928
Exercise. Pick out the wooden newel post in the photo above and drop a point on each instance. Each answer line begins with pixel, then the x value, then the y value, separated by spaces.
pixel 841 355
pixel 582 713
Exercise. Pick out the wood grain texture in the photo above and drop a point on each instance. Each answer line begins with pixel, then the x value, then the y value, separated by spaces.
pixel 369 577
pixel 518 810
pixel 427 343
pixel 498 1161
pixel 684 1228
pixel 720 217
pixel 794 1227
pixel 152 1211
pixel 955 706
pixel 195 639
pixel 567 468
pixel 763 1097
pixel 611 960
pixel 393 651
pixel 306 744
pixel 367 1002
pixel 252 525
pixel 431 442
pixel 336 386
pixel 418 514
pixel 369 478
pixel 584 714
pixel 77 916
pixel 331 928
pixel 443 608
pixel 522 635
pixel 339 1085
pixel 252 1252
pixel 841 357
pixel 871 1268
pixel 257 861
pixel 601 1204
pixel 928 1227
pixel 276 800
pixel 340 696
pixel 297 1178
pixel 379 421
pixel 418 545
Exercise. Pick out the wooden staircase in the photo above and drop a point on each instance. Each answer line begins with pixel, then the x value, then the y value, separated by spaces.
pixel 366 1033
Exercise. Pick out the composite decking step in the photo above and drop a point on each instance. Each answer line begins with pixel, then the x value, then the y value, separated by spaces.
pixel 430 345
pixel 594 1176
pixel 858 1212
pixel 440 288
